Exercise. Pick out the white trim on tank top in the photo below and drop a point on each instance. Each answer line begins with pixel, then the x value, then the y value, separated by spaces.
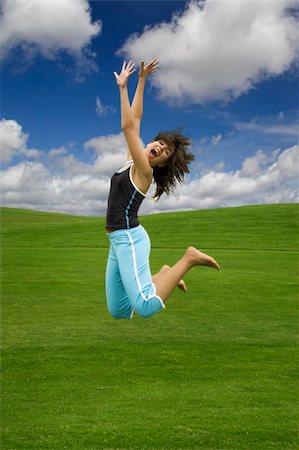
pixel 131 179
pixel 124 168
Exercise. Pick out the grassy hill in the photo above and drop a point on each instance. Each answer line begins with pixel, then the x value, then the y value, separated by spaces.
pixel 215 370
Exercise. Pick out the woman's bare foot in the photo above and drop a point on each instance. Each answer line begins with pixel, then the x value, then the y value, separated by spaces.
pixel 182 285
pixel 201 259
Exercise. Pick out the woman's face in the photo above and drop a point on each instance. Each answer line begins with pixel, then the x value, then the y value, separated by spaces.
pixel 158 153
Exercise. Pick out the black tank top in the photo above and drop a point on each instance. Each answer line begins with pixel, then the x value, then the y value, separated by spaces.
pixel 124 200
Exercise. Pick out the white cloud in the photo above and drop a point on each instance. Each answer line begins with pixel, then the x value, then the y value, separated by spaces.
pixel 58 151
pixel 13 142
pixel 109 151
pixel 82 188
pixel 262 179
pixel 60 181
pixel 251 165
pixel 30 185
pixel 31 153
pixel 287 129
pixel 12 139
pixel 48 27
pixel 103 110
pixel 218 49
pixel 113 143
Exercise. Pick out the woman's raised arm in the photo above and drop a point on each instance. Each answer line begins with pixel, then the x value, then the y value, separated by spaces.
pixel 128 121
pixel 144 72
pixel 137 104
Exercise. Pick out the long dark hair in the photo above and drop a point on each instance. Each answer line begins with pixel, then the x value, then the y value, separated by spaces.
pixel 177 166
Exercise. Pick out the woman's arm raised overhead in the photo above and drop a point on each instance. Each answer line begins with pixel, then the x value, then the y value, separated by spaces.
pixel 128 124
pixel 137 104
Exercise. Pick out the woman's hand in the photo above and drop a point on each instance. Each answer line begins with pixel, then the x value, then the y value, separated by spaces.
pixel 126 71
pixel 151 67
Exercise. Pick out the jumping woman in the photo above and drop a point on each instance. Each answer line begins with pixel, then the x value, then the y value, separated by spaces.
pixel 130 287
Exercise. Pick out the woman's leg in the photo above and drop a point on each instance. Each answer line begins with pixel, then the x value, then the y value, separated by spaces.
pixel 167 283
pixel 118 302
pixel 181 284
pixel 133 261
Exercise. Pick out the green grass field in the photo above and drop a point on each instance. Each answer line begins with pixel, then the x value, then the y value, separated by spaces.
pixel 215 370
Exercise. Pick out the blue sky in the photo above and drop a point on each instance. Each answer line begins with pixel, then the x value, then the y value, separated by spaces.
pixel 229 73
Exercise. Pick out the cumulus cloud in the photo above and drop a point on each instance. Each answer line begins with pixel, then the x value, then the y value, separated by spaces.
pixel 31 153
pixel 218 49
pixel 107 144
pixel 30 185
pixel 12 140
pixel 108 150
pixel 58 151
pixel 47 28
pixel 82 188
pixel 262 179
pixel 60 181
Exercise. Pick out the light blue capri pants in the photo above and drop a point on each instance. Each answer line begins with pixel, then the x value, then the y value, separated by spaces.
pixel 129 285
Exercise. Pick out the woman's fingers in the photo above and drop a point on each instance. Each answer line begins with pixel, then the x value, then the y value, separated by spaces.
pixel 130 65
pixel 127 66
pixel 153 65
pixel 155 61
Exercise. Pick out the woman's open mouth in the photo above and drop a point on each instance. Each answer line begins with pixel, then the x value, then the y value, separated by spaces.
pixel 154 153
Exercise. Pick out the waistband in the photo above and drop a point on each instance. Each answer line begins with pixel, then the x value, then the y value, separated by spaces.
pixel 124 231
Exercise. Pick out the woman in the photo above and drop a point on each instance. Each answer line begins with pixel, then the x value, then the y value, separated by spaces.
pixel 129 284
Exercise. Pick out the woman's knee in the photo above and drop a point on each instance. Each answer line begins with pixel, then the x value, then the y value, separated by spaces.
pixel 120 312
pixel 147 308
pixel 115 315
pixel 144 311
pixel 120 315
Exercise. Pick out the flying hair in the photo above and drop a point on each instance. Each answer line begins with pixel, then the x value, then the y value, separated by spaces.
pixel 177 166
